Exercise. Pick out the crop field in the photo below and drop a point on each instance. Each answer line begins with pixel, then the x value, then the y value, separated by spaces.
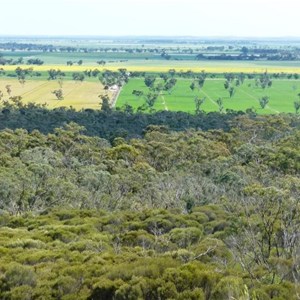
pixel 156 65
pixel 85 94
pixel 76 94
pixel 281 95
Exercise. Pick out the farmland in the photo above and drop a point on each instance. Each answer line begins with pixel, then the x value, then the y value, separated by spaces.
pixel 155 54
pixel 76 94
pixel 85 94
pixel 149 56
pixel 282 95
pixel 157 65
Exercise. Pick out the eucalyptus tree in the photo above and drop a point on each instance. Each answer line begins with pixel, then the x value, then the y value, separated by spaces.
pixel 263 101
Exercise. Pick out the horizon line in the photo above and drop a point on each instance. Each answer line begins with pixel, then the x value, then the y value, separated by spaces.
pixel 146 36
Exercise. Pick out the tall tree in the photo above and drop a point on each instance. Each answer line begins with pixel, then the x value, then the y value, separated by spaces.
pixel 105 102
pixel 263 101
pixel 231 91
pixel 220 104
pixel 198 103
pixel 297 106
pixel 149 81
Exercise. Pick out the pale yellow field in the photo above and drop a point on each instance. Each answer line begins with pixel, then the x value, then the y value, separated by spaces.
pixel 76 94
pixel 235 68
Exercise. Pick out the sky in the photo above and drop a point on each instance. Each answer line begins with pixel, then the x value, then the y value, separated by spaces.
pixel 201 18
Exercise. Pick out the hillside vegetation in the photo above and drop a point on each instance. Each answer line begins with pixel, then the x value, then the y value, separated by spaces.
pixel 205 208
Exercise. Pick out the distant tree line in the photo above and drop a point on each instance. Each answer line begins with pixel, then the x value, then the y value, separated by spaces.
pixel 110 123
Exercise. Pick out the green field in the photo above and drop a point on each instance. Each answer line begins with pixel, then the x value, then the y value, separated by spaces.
pixel 281 95
pixel 148 62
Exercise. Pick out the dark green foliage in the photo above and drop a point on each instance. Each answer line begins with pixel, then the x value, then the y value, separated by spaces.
pixel 55 74
pixel 149 81
pixel 263 101
pixel 78 76
pixel 107 124
pixel 105 106
pixel 35 61
pixel 110 78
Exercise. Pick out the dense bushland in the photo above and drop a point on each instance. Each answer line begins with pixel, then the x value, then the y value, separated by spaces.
pixel 107 124
pixel 186 214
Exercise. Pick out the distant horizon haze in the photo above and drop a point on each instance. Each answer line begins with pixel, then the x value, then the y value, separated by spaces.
pixel 153 18
pixel 57 36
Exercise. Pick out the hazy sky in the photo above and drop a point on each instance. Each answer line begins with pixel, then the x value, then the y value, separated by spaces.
pixel 150 17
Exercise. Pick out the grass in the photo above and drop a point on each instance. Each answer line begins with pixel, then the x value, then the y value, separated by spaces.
pixel 282 95
pixel 76 94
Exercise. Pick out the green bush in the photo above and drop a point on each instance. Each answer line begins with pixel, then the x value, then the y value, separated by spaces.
pixel 185 237
pixel 18 275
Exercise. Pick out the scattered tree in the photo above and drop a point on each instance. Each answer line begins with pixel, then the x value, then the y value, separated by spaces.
pixel 164 76
pixel 54 74
pixel 35 61
pixel 242 78
pixel 149 81
pixel 192 86
pixel 170 85
pixel 58 94
pixel 263 101
pixel 172 72
pixel 78 76
pixel 220 104
pixel 226 85
pixel 231 91
pixel 198 103
pixel 297 106
pixel 105 103
pixel 22 81
pixel 151 98
pixel 8 89
pixel 101 62
pixel 137 93
pixel 264 81
pixel 60 81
